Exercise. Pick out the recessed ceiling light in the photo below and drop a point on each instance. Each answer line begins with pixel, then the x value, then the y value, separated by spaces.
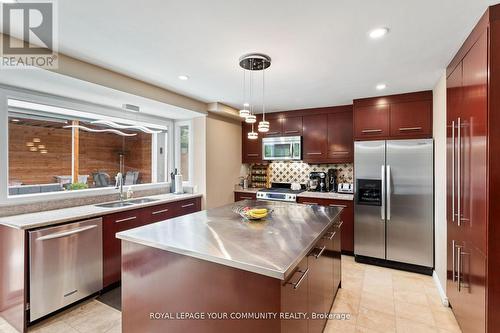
pixel 378 33
pixel 183 77
pixel 246 105
pixel 381 86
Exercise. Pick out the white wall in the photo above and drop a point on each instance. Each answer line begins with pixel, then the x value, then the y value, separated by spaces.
pixel 223 159
pixel 439 129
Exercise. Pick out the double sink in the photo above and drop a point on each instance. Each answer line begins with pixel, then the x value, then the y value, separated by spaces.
pixel 116 204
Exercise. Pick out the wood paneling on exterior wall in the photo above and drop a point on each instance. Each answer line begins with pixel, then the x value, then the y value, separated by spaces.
pixel 34 167
pixel 98 152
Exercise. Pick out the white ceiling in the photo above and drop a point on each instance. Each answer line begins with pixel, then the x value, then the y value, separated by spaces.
pixel 320 49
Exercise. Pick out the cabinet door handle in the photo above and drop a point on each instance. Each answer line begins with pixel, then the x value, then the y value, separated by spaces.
pixel 453 179
pixel 187 205
pixel 126 219
pixel 320 252
pixel 410 128
pixel 160 211
pixel 339 152
pixel 297 284
pixel 459 189
pixel 340 224
pixel 253 155
pixel 453 258
pixel 371 131
pixel 309 203
pixel 290 132
pixel 242 197
pixel 314 153
pixel 332 234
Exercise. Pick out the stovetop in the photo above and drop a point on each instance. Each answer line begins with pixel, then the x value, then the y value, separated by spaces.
pixel 281 190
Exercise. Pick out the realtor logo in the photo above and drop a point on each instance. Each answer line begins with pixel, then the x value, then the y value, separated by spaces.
pixel 28 35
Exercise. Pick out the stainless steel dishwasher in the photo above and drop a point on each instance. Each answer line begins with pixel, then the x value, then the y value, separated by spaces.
pixel 65 265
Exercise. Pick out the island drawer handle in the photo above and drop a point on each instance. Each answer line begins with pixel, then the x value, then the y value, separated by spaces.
pixel 410 128
pixel 160 211
pixel 332 234
pixel 309 203
pixel 187 205
pixel 340 224
pixel 334 205
pixel 320 252
pixel 297 284
pixel 371 131
pixel 126 219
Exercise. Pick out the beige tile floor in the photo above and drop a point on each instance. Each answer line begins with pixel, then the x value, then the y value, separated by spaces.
pixel 386 300
pixel 377 299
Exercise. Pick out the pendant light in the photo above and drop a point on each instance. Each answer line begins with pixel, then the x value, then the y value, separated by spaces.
pixel 254 62
pixel 263 125
pixel 244 112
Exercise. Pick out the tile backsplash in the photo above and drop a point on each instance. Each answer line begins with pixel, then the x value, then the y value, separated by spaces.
pixel 298 172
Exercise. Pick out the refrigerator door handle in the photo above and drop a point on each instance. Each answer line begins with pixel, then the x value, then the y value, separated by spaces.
pixel 388 191
pixel 382 208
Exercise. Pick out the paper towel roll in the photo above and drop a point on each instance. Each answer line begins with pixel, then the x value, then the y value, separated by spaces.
pixel 178 184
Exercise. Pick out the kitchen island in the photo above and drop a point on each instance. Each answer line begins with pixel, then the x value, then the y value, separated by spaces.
pixel 212 271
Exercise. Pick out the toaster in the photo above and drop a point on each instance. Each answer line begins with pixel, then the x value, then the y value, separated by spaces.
pixel 345 188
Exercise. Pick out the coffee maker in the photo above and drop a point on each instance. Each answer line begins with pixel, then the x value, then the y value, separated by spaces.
pixel 332 180
pixel 321 180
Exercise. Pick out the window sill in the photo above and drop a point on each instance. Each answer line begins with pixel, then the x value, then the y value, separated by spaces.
pixel 62 195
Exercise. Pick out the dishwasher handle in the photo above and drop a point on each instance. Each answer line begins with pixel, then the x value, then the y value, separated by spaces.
pixel 66 233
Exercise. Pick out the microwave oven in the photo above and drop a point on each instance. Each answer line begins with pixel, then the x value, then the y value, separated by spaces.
pixel 284 148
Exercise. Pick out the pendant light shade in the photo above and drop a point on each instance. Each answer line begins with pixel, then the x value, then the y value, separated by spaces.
pixel 251 119
pixel 252 135
pixel 244 113
pixel 263 126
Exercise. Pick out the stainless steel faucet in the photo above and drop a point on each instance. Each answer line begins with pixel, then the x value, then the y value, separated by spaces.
pixel 119 184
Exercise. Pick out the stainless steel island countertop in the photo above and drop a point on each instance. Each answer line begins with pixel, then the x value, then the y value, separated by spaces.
pixel 272 247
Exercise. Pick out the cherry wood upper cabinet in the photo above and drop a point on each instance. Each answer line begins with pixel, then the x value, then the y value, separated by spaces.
pixel 292 126
pixel 371 122
pixel 251 149
pixel 411 119
pixel 275 127
pixel 340 139
pixel 403 116
pixel 315 138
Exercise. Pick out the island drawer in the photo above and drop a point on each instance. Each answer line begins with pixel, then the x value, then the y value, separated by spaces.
pixel 238 196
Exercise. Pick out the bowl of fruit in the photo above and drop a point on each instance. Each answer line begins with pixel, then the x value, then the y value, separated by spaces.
pixel 253 213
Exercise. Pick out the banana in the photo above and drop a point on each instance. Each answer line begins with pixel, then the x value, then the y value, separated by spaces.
pixel 256 215
pixel 259 210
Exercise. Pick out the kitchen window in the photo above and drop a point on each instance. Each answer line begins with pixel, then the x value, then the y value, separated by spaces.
pixel 184 150
pixel 54 149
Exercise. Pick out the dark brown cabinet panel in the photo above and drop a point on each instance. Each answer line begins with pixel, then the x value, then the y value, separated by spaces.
pixel 371 122
pixel 114 223
pixel 252 149
pixel 320 284
pixel 294 298
pixel 340 137
pixel 275 127
pixel 315 138
pixel 238 196
pixel 411 119
pixel 347 217
pixel 292 126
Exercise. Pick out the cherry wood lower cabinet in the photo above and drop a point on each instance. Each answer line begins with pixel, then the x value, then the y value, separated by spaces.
pixel 347 216
pixel 238 196
pixel 114 223
pixel 200 286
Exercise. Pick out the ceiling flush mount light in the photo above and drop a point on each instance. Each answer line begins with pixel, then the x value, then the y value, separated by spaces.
pixel 381 86
pixel 378 33
pixel 183 77
pixel 254 62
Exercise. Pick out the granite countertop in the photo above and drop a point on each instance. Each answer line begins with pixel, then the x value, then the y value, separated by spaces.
pixel 51 217
pixel 326 195
pixel 248 190
pixel 272 247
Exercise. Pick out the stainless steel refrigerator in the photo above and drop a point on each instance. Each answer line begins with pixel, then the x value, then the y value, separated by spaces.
pixel 394 201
